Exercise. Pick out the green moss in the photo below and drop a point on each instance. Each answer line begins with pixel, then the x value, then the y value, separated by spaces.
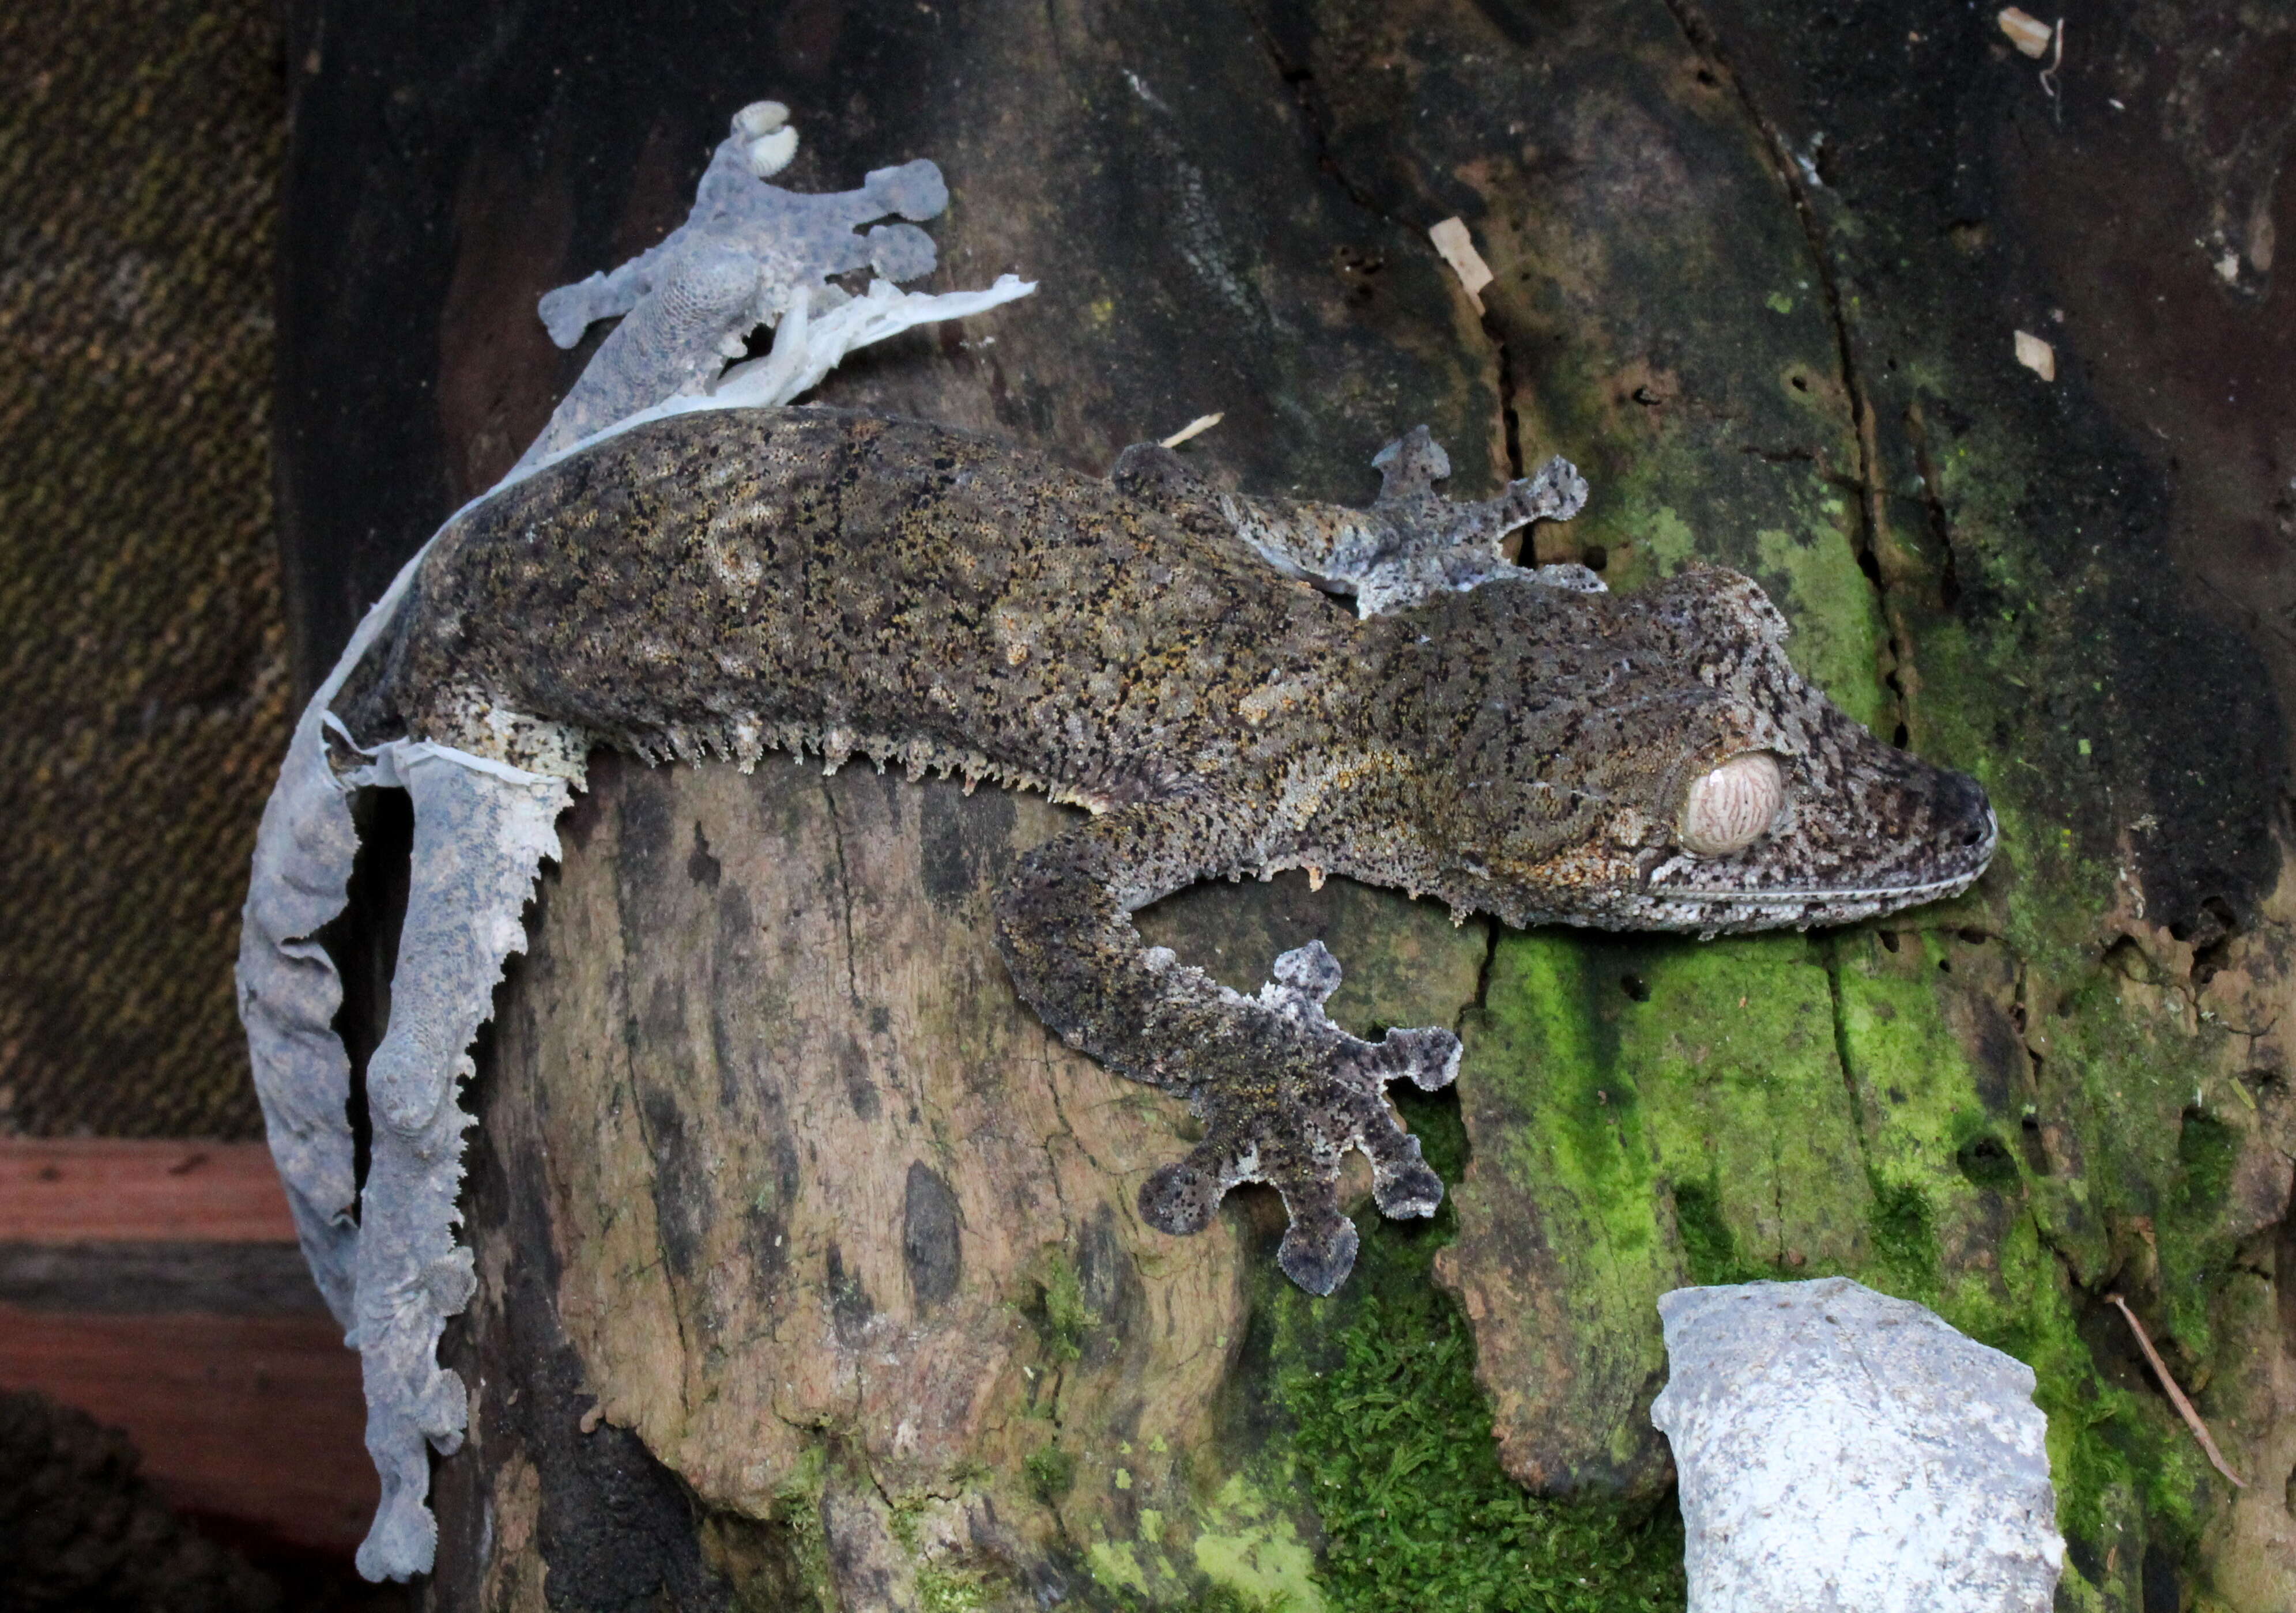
pixel 1051 1472
pixel 1811 573
pixel 952 1589
pixel 1985 1161
pixel 1417 1512
pixel 1708 1246
pixel 1816 1108
pixel 1390 1437
pixel 1061 1315
pixel 2206 1151
pixel 1904 1241
pixel 797 1507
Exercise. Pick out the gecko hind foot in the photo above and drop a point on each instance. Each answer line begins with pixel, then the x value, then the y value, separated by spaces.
pixel 1316 1092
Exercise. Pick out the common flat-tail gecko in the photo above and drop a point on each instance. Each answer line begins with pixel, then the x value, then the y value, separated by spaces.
pixel 1532 746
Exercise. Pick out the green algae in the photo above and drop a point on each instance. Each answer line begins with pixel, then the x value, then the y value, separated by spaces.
pixel 1251 1549
pixel 1116 1565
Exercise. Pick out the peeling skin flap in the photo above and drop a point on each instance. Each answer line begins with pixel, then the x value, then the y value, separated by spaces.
pixel 288 989
pixel 481 830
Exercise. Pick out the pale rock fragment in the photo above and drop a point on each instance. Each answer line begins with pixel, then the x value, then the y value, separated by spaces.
pixel 2036 356
pixel 1844 1451
pixel 1194 429
pixel 1458 250
pixel 2026 31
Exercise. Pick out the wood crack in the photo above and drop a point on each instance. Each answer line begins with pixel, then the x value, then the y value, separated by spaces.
pixel 1700 35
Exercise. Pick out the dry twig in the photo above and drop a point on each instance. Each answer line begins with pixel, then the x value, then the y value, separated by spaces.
pixel 1194 428
pixel 2176 1396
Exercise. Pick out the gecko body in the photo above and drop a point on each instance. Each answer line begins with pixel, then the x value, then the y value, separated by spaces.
pixel 1521 744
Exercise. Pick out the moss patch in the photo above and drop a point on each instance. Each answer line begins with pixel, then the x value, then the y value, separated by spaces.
pixel 1050 1473
pixel 1392 1439
pixel 1415 1510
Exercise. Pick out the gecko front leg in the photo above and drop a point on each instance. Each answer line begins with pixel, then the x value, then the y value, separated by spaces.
pixel 1283 1092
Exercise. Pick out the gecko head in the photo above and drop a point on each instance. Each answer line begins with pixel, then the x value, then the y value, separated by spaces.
pixel 1652 761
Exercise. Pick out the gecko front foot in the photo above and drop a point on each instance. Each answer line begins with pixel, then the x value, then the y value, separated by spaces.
pixel 1288 1094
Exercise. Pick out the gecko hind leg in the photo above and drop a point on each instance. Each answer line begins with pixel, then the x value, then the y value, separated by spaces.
pixel 1282 1092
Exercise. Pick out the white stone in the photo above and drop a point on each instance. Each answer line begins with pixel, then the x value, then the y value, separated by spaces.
pixel 1843 1452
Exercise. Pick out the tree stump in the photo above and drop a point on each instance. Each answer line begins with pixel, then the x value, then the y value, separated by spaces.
pixel 809 1273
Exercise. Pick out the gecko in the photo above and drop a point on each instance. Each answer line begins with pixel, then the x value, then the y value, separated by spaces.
pixel 1181 663
pixel 1228 684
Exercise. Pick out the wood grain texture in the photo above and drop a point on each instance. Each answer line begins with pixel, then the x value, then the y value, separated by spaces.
pixel 76 1189
pixel 819 1188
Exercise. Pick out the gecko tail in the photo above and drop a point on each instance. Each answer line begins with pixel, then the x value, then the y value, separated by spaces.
pixel 384 1255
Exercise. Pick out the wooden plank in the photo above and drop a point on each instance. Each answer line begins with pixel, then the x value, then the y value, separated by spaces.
pixel 100 1189
pixel 157 1278
pixel 257 1419
pixel 155 1285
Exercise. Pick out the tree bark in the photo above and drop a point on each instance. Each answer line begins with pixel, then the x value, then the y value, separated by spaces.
pixel 809 1270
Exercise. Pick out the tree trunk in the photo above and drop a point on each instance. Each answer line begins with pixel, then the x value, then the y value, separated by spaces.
pixel 809 1271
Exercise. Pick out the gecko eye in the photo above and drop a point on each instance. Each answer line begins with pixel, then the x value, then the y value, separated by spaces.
pixel 1728 809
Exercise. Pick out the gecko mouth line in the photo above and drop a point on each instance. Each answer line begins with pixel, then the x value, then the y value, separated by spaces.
pixel 1979 851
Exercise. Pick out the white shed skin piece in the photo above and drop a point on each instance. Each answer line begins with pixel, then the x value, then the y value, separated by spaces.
pixel 480 834
pixel 745 255
pixel 1844 1451
pixel 384 1253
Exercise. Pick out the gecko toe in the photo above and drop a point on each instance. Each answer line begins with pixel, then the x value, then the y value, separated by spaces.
pixel 1180 1198
pixel 1410 1194
pixel 1309 972
pixel 1403 1185
pixel 1319 1247
pixel 1428 1055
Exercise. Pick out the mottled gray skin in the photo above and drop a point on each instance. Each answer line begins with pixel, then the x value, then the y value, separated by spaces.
pixel 807 579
